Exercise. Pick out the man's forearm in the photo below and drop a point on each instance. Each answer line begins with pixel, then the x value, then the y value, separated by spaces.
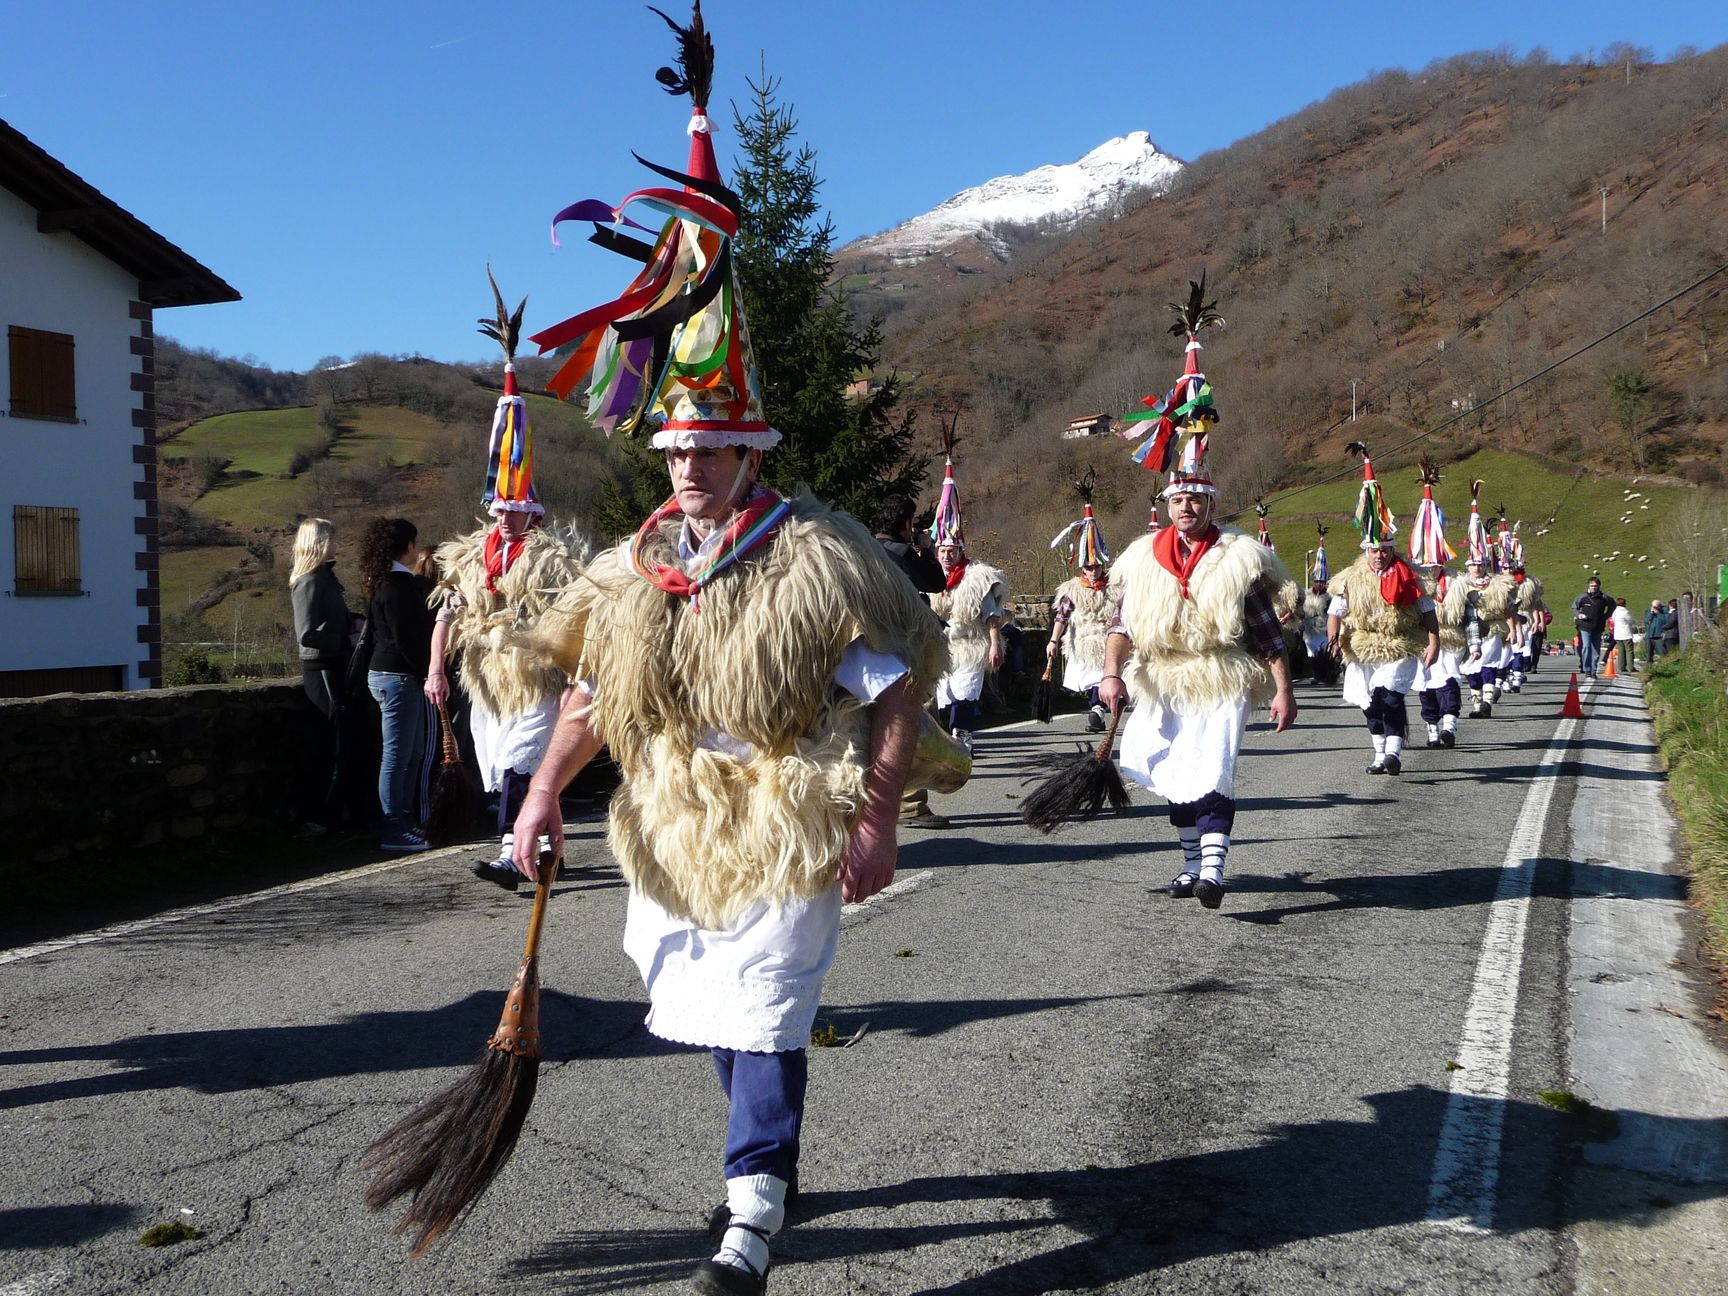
pixel 1116 649
pixel 894 720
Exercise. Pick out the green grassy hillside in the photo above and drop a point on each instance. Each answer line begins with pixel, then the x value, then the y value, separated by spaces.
pixel 1574 523
pixel 255 441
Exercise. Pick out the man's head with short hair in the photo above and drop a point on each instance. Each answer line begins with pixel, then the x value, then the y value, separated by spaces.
pixel 894 516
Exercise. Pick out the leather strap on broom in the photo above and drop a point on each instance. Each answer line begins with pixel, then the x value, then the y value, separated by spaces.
pixel 447 1151
pixel 1079 787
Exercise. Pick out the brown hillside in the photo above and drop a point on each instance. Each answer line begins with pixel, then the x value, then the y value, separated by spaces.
pixel 1435 236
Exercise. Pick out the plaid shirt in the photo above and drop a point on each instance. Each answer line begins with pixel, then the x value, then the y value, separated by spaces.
pixel 1261 634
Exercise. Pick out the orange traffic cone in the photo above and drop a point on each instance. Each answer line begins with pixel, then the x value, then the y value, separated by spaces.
pixel 1574 705
pixel 1610 673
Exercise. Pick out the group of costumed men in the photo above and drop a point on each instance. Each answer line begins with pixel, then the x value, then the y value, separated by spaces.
pixel 758 666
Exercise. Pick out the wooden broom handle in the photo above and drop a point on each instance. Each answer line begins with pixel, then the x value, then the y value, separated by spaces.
pixel 537 916
pixel 452 754
pixel 1103 752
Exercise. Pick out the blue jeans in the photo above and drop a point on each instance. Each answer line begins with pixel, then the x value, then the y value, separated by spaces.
pixel 766 1093
pixel 1589 651
pixel 404 770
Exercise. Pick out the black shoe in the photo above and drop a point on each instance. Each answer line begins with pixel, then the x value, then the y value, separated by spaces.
pixel 498 873
pixel 926 818
pixel 1486 711
pixel 715 1279
pixel 1210 894
pixel 1378 767
pixel 1095 720
pixel 1392 765
pixel 1182 885
pixel 1435 742
pixel 1448 738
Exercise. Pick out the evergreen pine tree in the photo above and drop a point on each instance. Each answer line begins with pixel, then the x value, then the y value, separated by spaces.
pixel 853 453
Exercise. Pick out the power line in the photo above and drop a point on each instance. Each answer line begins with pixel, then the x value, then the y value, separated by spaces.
pixel 1501 395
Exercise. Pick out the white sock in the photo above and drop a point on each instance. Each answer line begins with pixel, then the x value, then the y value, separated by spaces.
pixel 1449 724
pixel 506 844
pixel 1379 744
pixel 1190 838
pixel 1433 732
pixel 1394 746
pixel 759 1201
pixel 1214 846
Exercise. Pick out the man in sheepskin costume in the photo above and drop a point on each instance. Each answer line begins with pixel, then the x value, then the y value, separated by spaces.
pixel 1381 623
pixel 1196 642
pixel 972 605
pixel 1439 684
pixel 1080 613
pixel 494 584
pixel 1490 596
pixel 756 665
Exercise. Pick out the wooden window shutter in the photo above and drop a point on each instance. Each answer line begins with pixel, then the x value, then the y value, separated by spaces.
pixel 44 377
pixel 46 557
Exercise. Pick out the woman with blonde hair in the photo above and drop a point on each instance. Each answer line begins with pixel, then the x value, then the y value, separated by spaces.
pixel 322 626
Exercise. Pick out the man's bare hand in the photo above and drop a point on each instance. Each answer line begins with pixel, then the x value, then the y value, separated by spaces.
pixel 1282 710
pixel 540 816
pixel 868 864
pixel 437 689
pixel 1112 693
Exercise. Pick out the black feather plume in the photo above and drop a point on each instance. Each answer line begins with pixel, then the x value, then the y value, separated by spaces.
pixel 694 74
pixel 1427 471
pixel 1197 314
pixel 506 328
pixel 1261 507
pixel 1357 448
pixel 1087 485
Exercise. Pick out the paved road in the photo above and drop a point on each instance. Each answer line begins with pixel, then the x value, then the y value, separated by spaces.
pixel 1068 1082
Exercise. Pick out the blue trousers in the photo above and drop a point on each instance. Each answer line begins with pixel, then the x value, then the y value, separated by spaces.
pixel 1213 812
pixel 1386 714
pixel 405 769
pixel 964 714
pixel 1448 699
pixel 766 1092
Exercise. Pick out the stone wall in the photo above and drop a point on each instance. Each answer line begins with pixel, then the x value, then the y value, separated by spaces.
pixel 93 772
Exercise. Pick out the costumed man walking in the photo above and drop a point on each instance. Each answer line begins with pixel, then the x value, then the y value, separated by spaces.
pixel 1287 601
pixel 1322 665
pixel 1489 597
pixel 494 583
pixel 1196 642
pixel 1439 684
pixel 1080 613
pixel 755 664
pixel 1381 624
pixel 914 553
pixel 972 604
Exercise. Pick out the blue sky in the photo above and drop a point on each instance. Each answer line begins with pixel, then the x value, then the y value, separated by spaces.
pixel 352 167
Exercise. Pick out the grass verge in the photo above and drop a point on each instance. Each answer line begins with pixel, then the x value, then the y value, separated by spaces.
pixel 1690 710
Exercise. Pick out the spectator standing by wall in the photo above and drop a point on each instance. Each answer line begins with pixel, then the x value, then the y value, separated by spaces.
pixel 1655 631
pixel 323 631
pixel 1590 613
pixel 1620 624
pixel 401 628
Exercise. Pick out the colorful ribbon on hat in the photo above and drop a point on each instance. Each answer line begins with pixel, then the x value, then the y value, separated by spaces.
pixel 1085 540
pixel 1428 546
pixel 948 527
pixel 1373 517
pixel 510 451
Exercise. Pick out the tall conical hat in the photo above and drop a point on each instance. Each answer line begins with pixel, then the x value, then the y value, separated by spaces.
pixel 948 527
pixel 1182 419
pixel 673 349
pixel 1475 536
pixel 1321 572
pixel 1373 516
pixel 1428 545
pixel 1086 547
pixel 510 452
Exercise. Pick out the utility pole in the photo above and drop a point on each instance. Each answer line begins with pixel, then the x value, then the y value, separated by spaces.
pixel 1604 209
pixel 1353 383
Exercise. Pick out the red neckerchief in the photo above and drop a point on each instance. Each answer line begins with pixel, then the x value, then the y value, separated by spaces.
pixel 1094 582
pixel 1398 584
pixel 1164 548
pixel 954 577
pixel 741 536
pixel 499 557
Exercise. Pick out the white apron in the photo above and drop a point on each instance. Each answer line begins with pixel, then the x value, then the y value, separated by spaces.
pixel 518 743
pixel 1360 681
pixel 1184 757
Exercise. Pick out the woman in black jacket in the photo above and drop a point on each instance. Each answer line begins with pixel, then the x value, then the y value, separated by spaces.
pixel 401 629
pixel 322 629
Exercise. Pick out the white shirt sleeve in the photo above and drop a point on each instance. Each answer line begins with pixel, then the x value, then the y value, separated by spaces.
pixel 865 673
pixel 1338 607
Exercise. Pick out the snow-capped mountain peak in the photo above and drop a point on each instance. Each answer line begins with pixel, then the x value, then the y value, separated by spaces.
pixel 1061 195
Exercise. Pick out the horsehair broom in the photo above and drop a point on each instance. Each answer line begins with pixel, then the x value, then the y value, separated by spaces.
pixel 1044 696
pixel 450 808
pixel 1079 787
pixel 447 1151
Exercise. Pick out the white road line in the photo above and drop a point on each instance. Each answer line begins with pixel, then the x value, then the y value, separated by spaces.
pixel 1461 1193
pixel 893 891
pixel 23 952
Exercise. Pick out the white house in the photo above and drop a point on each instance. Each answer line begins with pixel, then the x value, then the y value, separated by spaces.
pixel 80 280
